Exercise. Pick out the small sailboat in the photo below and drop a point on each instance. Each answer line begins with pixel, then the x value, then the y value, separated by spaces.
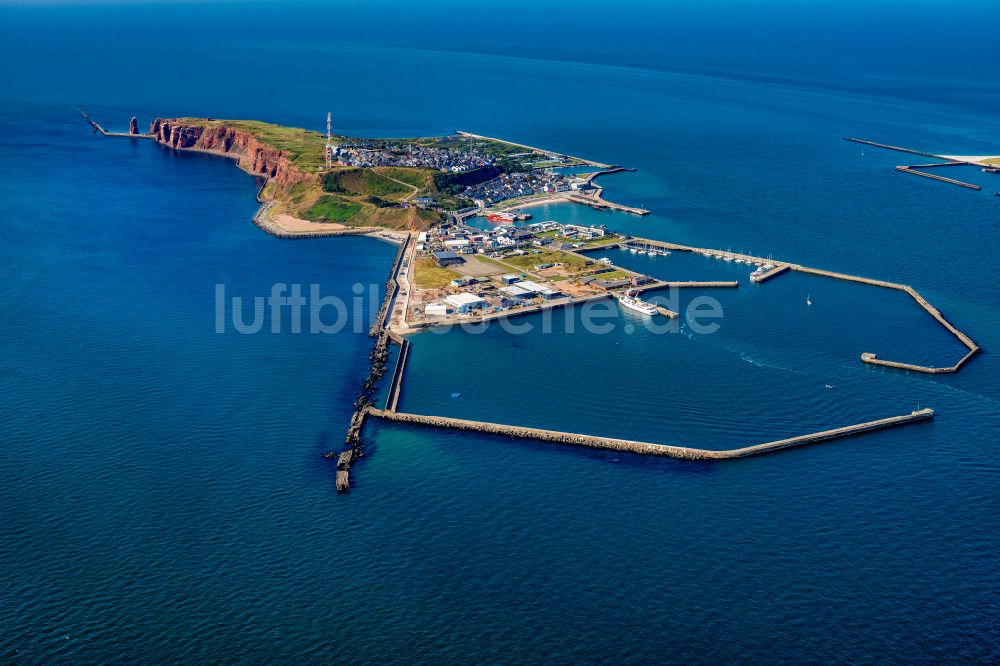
pixel 808 300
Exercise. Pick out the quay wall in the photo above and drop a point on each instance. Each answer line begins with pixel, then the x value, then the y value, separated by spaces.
pixel 647 448
pixel 719 284
pixel 396 383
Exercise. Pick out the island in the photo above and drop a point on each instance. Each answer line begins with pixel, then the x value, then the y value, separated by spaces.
pixel 420 194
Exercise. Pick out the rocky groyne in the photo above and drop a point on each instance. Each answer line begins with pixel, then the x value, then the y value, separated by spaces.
pixel 378 359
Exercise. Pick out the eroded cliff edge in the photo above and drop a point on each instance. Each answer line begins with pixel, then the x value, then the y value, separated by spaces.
pixel 252 155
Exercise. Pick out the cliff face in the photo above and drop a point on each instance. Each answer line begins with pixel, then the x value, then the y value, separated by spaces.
pixel 255 157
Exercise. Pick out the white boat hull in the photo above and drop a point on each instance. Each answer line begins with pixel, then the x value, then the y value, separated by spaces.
pixel 637 305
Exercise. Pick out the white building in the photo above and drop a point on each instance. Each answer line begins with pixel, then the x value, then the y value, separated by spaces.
pixel 530 286
pixel 465 302
pixel 593 232
pixel 436 309
pixel 516 293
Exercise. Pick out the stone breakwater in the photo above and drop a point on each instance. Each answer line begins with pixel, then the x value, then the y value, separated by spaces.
pixel 379 358
pixel 647 448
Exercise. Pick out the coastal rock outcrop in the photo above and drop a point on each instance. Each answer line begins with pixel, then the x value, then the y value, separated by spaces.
pixel 253 156
pixel 133 126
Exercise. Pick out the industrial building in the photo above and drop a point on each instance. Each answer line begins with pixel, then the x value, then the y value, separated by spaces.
pixel 465 302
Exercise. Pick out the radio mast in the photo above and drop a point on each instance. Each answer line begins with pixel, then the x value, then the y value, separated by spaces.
pixel 329 140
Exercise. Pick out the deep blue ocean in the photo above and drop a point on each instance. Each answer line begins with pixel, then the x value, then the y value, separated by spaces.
pixel 163 496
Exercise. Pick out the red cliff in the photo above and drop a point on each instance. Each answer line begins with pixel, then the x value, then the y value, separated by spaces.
pixel 253 156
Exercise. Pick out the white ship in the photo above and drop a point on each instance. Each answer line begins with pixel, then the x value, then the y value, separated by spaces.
pixel 631 300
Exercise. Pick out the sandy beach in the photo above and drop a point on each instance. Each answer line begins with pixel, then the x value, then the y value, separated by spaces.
pixel 298 225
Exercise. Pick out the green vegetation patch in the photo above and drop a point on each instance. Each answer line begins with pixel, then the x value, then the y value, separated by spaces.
pixel 593 242
pixel 306 149
pixel 614 275
pixel 362 182
pixel 417 177
pixel 428 275
pixel 529 261
pixel 332 209
pixel 455 183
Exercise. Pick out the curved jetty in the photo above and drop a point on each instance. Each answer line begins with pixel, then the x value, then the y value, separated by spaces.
pixel 648 448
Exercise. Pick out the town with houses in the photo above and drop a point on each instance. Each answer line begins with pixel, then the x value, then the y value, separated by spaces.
pixel 497 177
pixel 380 152
pixel 524 184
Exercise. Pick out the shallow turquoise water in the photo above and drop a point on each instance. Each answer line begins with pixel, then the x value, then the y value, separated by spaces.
pixel 164 497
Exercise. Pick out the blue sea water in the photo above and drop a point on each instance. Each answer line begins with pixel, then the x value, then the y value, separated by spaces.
pixel 163 494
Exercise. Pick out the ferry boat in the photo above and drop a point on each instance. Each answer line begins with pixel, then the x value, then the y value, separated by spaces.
pixel 631 300
pixel 501 217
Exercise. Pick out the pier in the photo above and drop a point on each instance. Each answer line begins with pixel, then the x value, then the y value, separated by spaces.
pixel 767 275
pixel 648 448
pixel 667 313
pixel 694 284
pixel 98 128
pixel 960 183
pixel 596 201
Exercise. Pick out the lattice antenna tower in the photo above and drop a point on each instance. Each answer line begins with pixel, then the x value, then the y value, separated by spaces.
pixel 329 140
